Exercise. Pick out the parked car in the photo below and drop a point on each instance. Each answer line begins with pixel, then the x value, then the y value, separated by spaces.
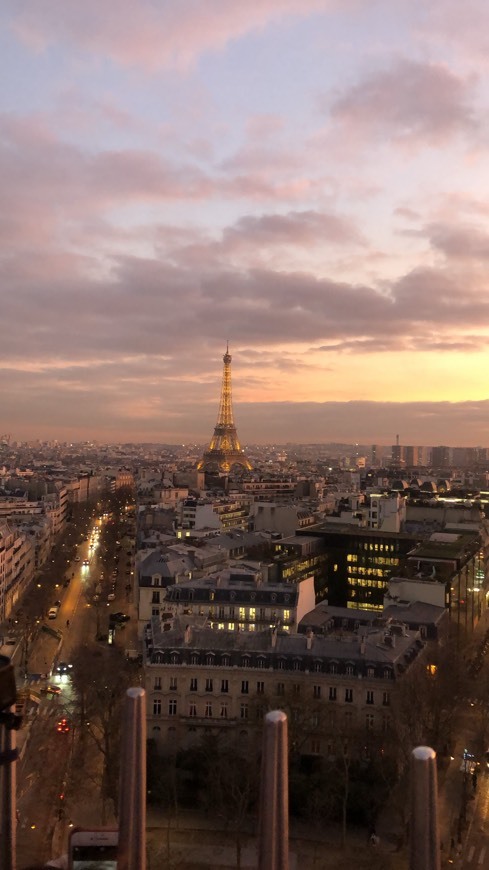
pixel 119 617
pixel 63 726
pixel 52 612
pixel 111 596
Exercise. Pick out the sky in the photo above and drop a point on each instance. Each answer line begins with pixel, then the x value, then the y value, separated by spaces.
pixel 306 179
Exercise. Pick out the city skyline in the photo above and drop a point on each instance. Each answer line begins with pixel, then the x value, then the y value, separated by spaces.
pixel 303 178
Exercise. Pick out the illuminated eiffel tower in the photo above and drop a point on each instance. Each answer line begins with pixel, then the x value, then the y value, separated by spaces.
pixel 224 450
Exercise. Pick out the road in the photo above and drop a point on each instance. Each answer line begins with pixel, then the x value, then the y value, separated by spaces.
pixel 45 771
pixel 476 849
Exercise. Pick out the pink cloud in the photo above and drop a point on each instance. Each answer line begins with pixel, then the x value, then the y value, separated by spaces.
pixel 146 34
pixel 411 103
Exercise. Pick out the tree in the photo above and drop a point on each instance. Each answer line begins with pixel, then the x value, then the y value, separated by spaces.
pixel 100 679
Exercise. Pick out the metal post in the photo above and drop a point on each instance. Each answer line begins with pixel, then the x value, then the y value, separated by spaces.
pixel 132 800
pixel 273 846
pixel 424 847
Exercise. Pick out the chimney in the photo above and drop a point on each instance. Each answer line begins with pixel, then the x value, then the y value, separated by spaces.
pixel 309 638
pixel 187 637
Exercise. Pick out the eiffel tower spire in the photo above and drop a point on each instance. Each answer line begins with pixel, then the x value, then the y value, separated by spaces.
pixel 224 449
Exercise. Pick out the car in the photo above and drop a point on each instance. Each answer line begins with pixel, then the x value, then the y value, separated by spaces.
pixel 50 690
pixel 52 612
pixel 63 668
pixel 111 596
pixel 119 617
pixel 57 603
pixel 63 726
pixel 86 563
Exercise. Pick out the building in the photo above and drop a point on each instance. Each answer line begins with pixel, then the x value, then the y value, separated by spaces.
pixel 238 599
pixel 202 681
pixel 360 561
pixel 204 513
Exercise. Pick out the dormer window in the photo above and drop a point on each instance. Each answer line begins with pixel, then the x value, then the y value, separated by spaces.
pixel 156 581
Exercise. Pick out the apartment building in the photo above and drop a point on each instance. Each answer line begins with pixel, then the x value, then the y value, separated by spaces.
pixel 238 599
pixel 16 566
pixel 199 681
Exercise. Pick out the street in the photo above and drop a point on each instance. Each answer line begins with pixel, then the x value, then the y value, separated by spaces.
pixel 50 764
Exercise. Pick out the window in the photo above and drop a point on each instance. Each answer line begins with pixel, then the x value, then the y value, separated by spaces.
pixel 318 666
pixel 260 688
pixel 192 710
pixel 243 711
pixel 225 661
pixel 261 663
pixel 156 707
pixel 242 614
pixel 244 687
pixel 252 614
pixel 193 684
pixel 370 672
pixel 286 615
pixel 386 699
pixel 208 709
pixel 260 711
pixel 348 719
pixel 172 707
pixel 385 724
pixel 221 613
pixel 296 688
pixel 174 658
pixel 348 696
pixel 224 686
pixel 224 710
pixel 370 697
pixel 281 665
pixel 315 720
pixel 332 693
pixel 209 659
pixel 332 668
pixel 316 691
pixel 280 688
pixel 156 597
pixel 315 747
pixel 231 626
pixel 157 684
pixel 209 685
pixel 369 721
pixel 155 611
pixel 349 670
pixel 194 659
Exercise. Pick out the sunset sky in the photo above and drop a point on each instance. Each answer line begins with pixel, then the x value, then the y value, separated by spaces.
pixel 308 179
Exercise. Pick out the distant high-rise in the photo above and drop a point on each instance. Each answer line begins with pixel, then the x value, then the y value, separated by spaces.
pixel 440 457
pixel 224 449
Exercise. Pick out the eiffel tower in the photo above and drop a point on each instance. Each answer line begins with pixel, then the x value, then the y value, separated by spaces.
pixel 224 449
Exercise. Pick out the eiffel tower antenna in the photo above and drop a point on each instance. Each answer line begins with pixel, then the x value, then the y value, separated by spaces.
pixel 224 449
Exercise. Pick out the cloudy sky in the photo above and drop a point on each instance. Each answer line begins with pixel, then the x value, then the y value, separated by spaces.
pixel 306 178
